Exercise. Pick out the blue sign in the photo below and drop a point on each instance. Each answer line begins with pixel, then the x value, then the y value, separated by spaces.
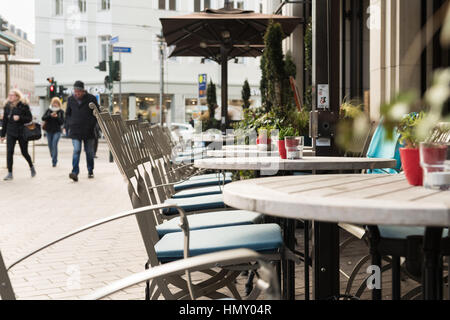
pixel 122 49
pixel 202 85
pixel 114 40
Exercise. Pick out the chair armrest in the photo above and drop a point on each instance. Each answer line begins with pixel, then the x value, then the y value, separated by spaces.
pixel 230 257
pixel 143 210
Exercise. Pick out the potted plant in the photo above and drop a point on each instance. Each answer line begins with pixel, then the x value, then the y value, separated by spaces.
pixel 283 133
pixel 409 154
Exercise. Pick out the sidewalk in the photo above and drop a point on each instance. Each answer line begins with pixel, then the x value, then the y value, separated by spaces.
pixel 36 211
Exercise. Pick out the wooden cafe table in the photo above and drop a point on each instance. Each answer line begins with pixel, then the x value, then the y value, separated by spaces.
pixel 324 232
pixel 357 199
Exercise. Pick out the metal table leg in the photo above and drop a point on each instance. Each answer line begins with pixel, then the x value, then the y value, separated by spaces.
pixel 326 261
pixel 432 269
pixel 289 266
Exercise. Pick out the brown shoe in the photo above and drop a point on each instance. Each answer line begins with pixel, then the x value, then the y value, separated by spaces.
pixel 74 177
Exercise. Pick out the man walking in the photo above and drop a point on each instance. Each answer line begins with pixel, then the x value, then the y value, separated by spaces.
pixel 80 122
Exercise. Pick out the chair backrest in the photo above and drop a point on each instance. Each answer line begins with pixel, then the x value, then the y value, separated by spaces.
pixel 6 290
pixel 381 147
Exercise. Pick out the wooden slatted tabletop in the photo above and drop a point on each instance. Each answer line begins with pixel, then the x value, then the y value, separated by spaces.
pixel 357 199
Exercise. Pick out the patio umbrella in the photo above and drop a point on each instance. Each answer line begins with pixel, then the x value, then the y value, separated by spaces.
pixel 222 35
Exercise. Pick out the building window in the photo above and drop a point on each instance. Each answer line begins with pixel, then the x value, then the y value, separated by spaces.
pixel 58 49
pixel 59 7
pixel 197 6
pixel 104 48
pixel 105 4
pixel 167 5
pixel 82 6
pixel 81 47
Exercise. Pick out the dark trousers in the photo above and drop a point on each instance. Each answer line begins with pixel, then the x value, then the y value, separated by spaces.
pixel 89 149
pixel 10 146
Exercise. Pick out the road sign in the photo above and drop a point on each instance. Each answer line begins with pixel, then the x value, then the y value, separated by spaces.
pixel 202 85
pixel 122 49
pixel 114 40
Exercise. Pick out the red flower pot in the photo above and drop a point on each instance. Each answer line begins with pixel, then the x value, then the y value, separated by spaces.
pixel 411 166
pixel 282 149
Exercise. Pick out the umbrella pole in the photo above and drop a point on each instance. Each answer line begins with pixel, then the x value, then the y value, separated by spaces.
pixel 224 94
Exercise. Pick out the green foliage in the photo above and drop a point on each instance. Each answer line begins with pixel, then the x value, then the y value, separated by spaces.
pixel 274 63
pixel 307 96
pixel 263 84
pixel 407 128
pixel 246 94
pixel 350 110
pixel 287 132
pixel 211 98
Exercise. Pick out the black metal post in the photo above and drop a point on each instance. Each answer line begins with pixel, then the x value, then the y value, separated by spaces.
pixel 289 266
pixel 326 71
pixel 224 95
pixel 326 261
pixel 396 281
pixel 307 258
pixel 432 269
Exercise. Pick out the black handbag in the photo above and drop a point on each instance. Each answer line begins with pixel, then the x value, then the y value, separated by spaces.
pixel 32 131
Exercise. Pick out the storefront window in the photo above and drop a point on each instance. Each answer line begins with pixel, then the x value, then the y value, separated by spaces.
pixel 147 107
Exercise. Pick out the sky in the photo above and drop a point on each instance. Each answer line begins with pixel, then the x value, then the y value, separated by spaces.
pixel 19 13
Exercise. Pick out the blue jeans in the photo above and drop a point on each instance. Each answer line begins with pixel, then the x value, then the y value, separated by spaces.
pixel 53 139
pixel 89 149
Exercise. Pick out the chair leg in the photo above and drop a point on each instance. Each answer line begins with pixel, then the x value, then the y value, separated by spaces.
pixel 249 284
pixel 396 280
pixel 147 283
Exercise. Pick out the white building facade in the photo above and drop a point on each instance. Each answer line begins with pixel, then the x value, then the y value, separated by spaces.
pixel 72 37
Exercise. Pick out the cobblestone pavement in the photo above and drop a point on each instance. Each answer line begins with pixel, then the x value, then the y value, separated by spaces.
pixel 36 211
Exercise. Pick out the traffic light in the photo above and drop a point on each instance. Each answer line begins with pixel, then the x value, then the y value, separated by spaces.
pixel 52 88
pixel 101 66
pixel 117 71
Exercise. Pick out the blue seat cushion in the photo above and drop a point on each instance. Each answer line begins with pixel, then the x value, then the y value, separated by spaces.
pixel 217 219
pixel 262 238
pixel 200 183
pixel 197 192
pixel 196 204
pixel 395 232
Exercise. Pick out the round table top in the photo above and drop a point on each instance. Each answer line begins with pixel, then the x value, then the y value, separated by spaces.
pixel 357 199
pixel 274 164
pixel 230 153
pixel 211 138
pixel 252 147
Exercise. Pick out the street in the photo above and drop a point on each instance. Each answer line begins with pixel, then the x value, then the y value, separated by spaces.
pixel 36 211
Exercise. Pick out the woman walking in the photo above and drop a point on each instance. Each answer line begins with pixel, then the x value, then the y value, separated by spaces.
pixel 16 114
pixel 54 119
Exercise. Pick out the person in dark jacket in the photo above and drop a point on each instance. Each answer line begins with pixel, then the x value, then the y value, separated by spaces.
pixel 16 114
pixel 54 119
pixel 80 123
